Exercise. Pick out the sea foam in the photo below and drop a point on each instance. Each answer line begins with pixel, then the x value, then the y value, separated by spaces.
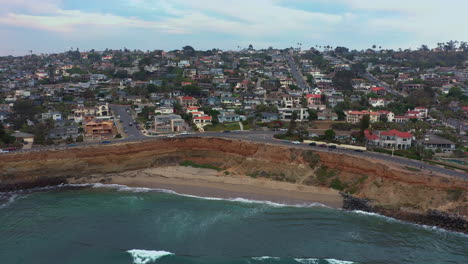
pixel 265 258
pixel 9 199
pixel 125 188
pixel 147 256
pixel 317 261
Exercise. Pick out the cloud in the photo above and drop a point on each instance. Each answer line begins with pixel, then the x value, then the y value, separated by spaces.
pixel 354 23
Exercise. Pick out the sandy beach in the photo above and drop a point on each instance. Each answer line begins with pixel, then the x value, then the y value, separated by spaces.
pixel 211 183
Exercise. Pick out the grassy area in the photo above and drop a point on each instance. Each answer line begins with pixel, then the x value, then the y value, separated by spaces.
pixel 411 169
pixel 447 166
pixel 226 126
pixel 188 163
pixel 272 176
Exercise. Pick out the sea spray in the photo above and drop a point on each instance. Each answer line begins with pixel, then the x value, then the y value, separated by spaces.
pixel 147 256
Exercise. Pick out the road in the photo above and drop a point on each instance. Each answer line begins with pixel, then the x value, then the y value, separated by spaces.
pixel 371 78
pixel 297 75
pixel 127 119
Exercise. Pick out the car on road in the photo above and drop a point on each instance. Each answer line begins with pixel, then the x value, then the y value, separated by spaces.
pixel 184 133
pixel 171 136
pixel 332 146
pixel 226 131
pixel 72 145
pixel 106 142
pixel 313 144
pixel 130 124
pixel 296 142
pixel 323 145
pixel 283 129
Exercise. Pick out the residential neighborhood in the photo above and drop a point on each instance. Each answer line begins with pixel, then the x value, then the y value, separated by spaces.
pixel 385 100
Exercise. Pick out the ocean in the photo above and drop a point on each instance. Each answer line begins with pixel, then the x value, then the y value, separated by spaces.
pixel 122 225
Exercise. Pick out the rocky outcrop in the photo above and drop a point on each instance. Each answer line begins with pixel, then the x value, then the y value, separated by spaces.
pixel 386 186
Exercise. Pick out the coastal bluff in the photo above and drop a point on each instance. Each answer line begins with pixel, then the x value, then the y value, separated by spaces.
pixel 389 187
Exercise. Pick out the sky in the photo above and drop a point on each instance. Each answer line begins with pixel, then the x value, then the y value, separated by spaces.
pixel 51 26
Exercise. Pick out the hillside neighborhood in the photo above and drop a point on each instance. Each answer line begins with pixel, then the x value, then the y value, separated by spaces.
pixel 412 103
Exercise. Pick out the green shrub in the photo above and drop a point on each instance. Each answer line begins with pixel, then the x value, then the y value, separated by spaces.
pixel 188 163
pixel 338 185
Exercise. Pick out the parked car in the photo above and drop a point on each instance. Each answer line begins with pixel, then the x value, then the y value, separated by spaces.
pixel 332 146
pixel 184 133
pixel 226 131
pixel 170 136
pixel 323 145
pixel 296 142
pixel 106 142
pixel 313 144
pixel 72 145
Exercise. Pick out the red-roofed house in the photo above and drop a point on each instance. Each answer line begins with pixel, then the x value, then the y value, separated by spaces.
pixel 314 100
pixel 187 101
pixel 389 139
pixel 202 120
pixel 423 111
pixel 379 90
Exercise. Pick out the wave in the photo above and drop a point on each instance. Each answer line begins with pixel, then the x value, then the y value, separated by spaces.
pixel 394 220
pixel 125 188
pixel 265 258
pixel 307 260
pixel 147 256
pixel 8 198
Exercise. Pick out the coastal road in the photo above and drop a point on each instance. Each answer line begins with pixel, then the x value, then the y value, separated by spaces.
pixel 267 137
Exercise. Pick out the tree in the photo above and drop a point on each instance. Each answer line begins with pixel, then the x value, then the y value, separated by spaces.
pixel 250 47
pixel 292 124
pixel 312 114
pixel 341 50
pixel 188 51
pixel 342 80
pixel 329 135
pixel 365 122
pixel 424 48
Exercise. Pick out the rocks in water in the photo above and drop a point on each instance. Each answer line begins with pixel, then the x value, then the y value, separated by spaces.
pixel 353 203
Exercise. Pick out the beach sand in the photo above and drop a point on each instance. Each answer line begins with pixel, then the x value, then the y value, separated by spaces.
pixel 211 183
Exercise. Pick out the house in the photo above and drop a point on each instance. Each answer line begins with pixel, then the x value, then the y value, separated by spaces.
pixel 100 128
pixel 3 116
pixel 437 144
pixel 268 117
pixel 164 110
pixel 242 86
pixel 187 101
pixel 392 139
pixel 390 116
pixel 291 101
pixel 227 117
pixel 423 111
pixel 334 100
pixel 286 113
pixel 402 119
pixel 51 115
pixel 327 115
pixel 202 120
pixel 64 132
pixel 379 90
pixel 314 100
pixel 169 124
pixel 379 102
pixel 355 117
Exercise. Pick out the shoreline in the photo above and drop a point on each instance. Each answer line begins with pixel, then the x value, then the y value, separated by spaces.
pixel 207 183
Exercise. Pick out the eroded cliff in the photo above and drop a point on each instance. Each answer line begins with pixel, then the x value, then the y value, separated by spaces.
pixel 388 186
